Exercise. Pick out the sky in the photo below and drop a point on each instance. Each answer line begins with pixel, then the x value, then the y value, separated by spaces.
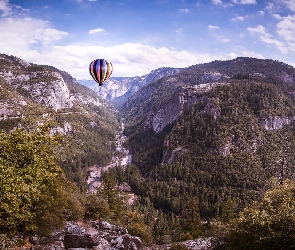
pixel 138 36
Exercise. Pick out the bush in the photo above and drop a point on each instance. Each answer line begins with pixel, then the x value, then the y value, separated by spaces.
pixel 178 246
pixel 268 224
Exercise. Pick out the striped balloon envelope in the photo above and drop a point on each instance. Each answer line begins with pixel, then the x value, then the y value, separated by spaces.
pixel 100 70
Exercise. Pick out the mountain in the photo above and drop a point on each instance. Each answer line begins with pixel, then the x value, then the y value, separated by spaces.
pixel 33 94
pixel 217 131
pixel 206 141
pixel 117 90
pixel 165 99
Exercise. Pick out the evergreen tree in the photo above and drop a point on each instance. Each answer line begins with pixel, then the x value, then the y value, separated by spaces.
pixel 115 200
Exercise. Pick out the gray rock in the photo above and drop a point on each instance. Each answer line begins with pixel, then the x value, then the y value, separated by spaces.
pixel 96 236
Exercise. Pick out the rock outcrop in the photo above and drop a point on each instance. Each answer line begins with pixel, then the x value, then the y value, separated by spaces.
pixel 169 111
pixel 45 84
pixel 273 123
pixel 91 236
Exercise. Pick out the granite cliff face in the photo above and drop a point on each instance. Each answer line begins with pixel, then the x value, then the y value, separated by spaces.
pixel 170 110
pixel 43 84
pixel 53 93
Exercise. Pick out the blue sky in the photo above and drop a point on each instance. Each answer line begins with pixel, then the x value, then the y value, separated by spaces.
pixel 138 36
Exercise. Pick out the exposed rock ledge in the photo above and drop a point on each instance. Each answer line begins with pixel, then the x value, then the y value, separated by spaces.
pixel 101 236
pixel 95 236
pixel 276 122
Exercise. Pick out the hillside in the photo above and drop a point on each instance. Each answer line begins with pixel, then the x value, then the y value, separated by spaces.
pixel 34 94
pixel 216 131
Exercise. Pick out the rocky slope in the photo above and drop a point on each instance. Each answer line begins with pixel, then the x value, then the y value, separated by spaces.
pixel 32 95
pixel 101 235
pixel 44 84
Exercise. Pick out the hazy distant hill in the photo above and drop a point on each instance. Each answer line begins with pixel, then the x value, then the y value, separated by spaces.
pixel 117 90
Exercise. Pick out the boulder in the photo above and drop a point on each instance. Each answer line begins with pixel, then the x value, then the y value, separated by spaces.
pixel 90 236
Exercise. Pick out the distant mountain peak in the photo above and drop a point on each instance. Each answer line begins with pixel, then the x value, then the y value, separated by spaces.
pixel 117 90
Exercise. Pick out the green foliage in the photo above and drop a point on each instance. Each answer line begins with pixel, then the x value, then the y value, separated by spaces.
pixel 190 220
pixel 34 194
pixel 178 246
pixel 110 204
pixel 96 208
pixel 85 145
pixel 137 227
pixel 229 210
pixel 267 224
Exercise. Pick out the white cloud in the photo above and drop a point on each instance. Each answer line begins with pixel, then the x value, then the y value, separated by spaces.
pixel 223 39
pixel 261 12
pixel 248 53
pixel 265 37
pixel 128 59
pixel 21 33
pixel 244 1
pixel 277 16
pixel 5 7
pixel 286 28
pixel 290 4
pixel 96 30
pixel 248 2
pixel 183 10
pixel 238 18
pixel 269 6
pixel 179 31
pixel 216 1
pixel 212 27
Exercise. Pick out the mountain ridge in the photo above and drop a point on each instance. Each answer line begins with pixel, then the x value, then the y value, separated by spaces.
pixel 118 89
pixel 222 131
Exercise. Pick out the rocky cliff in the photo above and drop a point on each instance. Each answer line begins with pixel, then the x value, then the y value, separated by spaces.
pixel 173 107
pixel 43 84
pixel 165 100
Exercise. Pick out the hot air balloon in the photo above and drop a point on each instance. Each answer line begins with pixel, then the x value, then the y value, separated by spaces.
pixel 100 70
